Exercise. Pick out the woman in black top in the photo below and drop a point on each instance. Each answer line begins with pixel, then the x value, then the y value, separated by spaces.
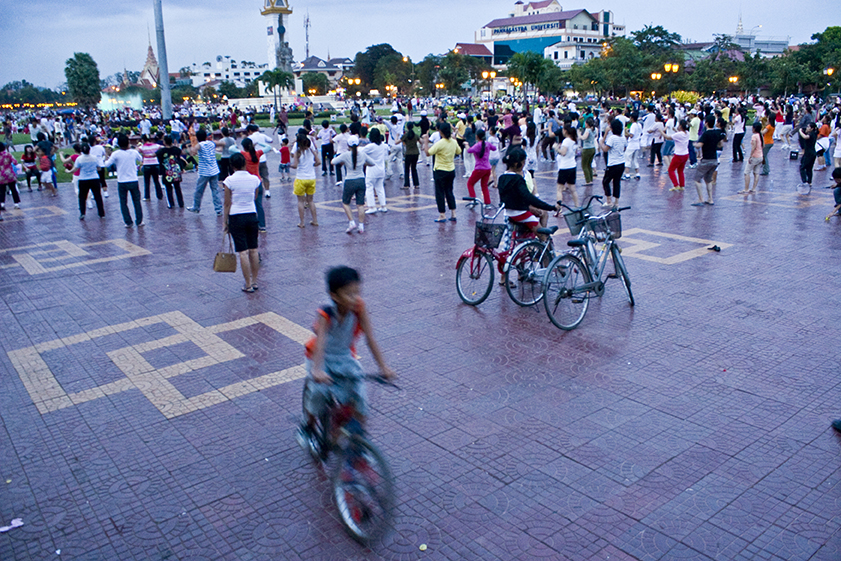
pixel 515 194
pixel 807 140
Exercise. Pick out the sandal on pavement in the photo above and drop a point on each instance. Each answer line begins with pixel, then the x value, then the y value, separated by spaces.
pixel 249 289
pixel 439 220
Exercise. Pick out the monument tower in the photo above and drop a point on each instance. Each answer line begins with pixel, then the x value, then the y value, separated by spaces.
pixel 280 55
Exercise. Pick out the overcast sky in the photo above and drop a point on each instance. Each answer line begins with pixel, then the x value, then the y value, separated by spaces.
pixel 38 36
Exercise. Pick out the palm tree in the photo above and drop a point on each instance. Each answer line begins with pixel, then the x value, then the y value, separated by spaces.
pixel 277 78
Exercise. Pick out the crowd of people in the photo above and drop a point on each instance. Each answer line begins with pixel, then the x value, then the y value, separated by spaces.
pixel 371 149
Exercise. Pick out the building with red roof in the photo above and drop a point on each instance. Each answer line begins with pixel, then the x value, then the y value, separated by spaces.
pixel 537 26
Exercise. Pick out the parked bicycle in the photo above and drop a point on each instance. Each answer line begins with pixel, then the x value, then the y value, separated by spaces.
pixel 361 479
pixel 492 242
pixel 574 277
pixel 526 268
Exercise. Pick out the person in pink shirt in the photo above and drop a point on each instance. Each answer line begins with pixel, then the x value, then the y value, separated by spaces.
pixel 151 167
pixel 754 163
pixel 8 177
pixel 481 150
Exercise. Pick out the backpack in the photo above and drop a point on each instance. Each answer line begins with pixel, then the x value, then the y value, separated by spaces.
pixel 45 164
pixel 172 170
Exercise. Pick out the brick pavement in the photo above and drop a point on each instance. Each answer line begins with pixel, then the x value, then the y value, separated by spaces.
pixel 147 403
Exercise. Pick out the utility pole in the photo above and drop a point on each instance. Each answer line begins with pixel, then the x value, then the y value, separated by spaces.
pixel 163 80
pixel 307 33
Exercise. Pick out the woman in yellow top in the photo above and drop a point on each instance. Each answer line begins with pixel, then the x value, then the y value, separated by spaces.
pixel 444 172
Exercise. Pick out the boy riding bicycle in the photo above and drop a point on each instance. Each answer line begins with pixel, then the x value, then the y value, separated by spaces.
pixel 332 351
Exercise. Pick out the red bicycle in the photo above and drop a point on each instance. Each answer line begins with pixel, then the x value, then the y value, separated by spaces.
pixel 491 242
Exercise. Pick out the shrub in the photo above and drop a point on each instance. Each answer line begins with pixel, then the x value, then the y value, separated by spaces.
pixel 686 97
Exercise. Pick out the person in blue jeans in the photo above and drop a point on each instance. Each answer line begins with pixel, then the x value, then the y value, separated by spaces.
pixel 208 171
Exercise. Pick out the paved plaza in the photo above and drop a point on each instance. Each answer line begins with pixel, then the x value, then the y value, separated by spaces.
pixel 148 405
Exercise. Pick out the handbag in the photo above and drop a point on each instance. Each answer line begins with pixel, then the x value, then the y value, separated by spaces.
pixel 226 262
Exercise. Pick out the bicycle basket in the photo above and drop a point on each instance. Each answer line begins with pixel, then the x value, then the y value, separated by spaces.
pixel 488 235
pixel 614 224
pixel 575 221
pixel 598 225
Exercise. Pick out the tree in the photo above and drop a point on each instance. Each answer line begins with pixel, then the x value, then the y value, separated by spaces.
pixel 83 79
pixel 526 67
pixel 722 45
pixel 315 81
pixel 392 71
pixel 277 78
pixel 626 68
pixel 185 72
pixel 551 79
pixel 754 72
pixel 787 74
pixel 655 40
pixel 366 63
pixel 426 73
pixel 230 90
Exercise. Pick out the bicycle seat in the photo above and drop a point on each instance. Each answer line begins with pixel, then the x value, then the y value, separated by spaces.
pixel 577 243
pixel 547 231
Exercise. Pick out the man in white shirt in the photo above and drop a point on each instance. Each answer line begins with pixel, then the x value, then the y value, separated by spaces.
pixel 261 142
pixel 395 150
pixel 648 124
pixel 634 136
pixel 126 160
pixel 145 126
pixel 325 142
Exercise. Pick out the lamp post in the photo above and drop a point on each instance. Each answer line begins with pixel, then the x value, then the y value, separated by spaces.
pixel 655 77
pixel 438 87
pixel 486 76
pixel 828 72
pixel 670 68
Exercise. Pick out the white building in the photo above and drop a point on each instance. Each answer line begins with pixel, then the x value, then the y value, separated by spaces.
pixel 226 70
pixel 537 26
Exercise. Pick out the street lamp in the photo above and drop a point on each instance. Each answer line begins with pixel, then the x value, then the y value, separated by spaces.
pixel 733 79
pixel 656 76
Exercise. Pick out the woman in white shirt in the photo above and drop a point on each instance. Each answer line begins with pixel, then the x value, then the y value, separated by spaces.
pixel 678 163
pixel 304 160
pixel 738 135
pixel 375 175
pixel 566 164
pixel 89 180
pixel 613 144
pixel 240 218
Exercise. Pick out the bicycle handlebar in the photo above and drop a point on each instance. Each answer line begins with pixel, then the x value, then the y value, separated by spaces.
pixel 378 378
pixel 589 202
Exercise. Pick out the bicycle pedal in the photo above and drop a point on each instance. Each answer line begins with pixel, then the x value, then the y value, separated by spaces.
pixel 612 276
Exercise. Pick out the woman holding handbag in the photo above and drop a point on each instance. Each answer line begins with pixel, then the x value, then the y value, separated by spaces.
pixel 240 218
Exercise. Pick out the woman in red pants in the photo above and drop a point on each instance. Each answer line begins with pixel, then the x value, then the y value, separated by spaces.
pixel 681 140
pixel 481 150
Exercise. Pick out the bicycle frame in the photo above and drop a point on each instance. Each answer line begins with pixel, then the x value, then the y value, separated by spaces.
pixel 509 241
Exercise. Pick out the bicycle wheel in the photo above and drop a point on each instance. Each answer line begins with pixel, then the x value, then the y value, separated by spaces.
pixel 316 442
pixel 363 488
pixel 475 278
pixel 563 299
pixel 622 272
pixel 525 273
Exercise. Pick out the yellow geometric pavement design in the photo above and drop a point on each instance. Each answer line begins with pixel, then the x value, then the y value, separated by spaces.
pixel 48 395
pixel 48 257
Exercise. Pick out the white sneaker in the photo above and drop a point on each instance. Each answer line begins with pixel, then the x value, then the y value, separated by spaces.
pixel 350 227
pixel 268 194
pixel 371 211
pixel 106 194
pixel 361 228
pixel 383 209
pixel 90 204
pixel 17 205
